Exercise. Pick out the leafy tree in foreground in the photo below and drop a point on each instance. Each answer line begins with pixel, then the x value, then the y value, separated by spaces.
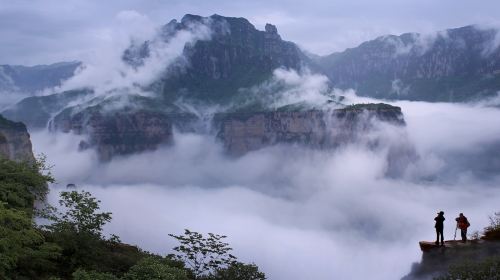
pixel 203 255
pixel 492 232
pixel 240 271
pixel 81 214
pixel 155 269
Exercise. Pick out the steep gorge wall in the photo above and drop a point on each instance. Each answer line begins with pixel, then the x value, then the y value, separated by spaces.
pixel 15 143
pixel 244 132
pixel 123 133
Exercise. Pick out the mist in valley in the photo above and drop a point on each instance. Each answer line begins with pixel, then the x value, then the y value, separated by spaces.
pixel 301 213
pixel 352 212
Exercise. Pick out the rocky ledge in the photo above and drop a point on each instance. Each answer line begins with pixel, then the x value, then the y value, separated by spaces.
pixel 123 133
pixel 120 133
pixel 15 143
pixel 436 260
pixel 244 132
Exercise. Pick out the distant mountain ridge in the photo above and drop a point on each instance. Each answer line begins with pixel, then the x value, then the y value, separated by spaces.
pixel 455 65
pixel 29 79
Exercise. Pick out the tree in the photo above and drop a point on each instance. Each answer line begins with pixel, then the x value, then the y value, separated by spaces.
pixel 492 232
pixel 81 214
pixel 203 255
pixel 152 268
pixel 240 271
pixel 21 183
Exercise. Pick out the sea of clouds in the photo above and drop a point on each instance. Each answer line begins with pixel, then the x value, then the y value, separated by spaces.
pixel 296 212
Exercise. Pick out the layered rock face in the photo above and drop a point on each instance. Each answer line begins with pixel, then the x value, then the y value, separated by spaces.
pixel 120 133
pixel 455 65
pixel 123 133
pixel 15 143
pixel 244 132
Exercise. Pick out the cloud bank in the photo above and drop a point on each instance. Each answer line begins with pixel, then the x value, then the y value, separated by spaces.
pixel 301 213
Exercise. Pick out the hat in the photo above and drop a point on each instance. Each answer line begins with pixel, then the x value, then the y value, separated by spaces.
pixel 441 212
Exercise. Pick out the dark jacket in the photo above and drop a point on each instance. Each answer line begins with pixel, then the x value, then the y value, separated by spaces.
pixel 439 221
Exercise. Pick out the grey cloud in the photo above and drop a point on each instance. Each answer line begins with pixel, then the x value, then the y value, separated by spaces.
pixel 333 212
pixel 54 30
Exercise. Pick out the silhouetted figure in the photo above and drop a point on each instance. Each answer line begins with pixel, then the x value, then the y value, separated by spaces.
pixel 439 227
pixel 463 224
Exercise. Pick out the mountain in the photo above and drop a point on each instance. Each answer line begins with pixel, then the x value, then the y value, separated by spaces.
pixel 15 143
pixel 236 56
pixel 225 72
pixel 455 65
pixel 29 79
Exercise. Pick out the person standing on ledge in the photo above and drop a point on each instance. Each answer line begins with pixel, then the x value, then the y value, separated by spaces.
pixel 463 224
pixel 439 227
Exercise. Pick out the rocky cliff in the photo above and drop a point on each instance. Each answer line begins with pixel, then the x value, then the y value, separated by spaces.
pixel 237 55
pixel 437 261
pixel 120 132
pixel 126 132
pixel 15 143
pixel 244 132
pixel 454 65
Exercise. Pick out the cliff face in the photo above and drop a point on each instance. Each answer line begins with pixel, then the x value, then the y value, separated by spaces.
pixel 121 132
pixel 437 261
pixel 128 132
pixel 455 65
pixel 244 132
pixel 15 143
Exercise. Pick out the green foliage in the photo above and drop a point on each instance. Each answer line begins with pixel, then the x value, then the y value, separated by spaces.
pixel 81 274
pixel 17 238
pixel 20 241
pixel 203 255
pixel 78 231
pixel 21 183
pixel 492 232
pixel 81 214
pixel 155 269
pixel 240 271
pixel 485 270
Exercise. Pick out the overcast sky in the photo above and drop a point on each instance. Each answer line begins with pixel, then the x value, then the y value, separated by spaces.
pixel 45 31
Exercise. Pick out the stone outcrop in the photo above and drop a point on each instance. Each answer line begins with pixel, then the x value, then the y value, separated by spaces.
pixel 15 143
pixel 120 132
pixel 244 132
pixel 436 261
pixel 128 132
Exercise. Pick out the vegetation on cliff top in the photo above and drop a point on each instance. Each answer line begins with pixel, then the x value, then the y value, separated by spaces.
pixel 370 107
